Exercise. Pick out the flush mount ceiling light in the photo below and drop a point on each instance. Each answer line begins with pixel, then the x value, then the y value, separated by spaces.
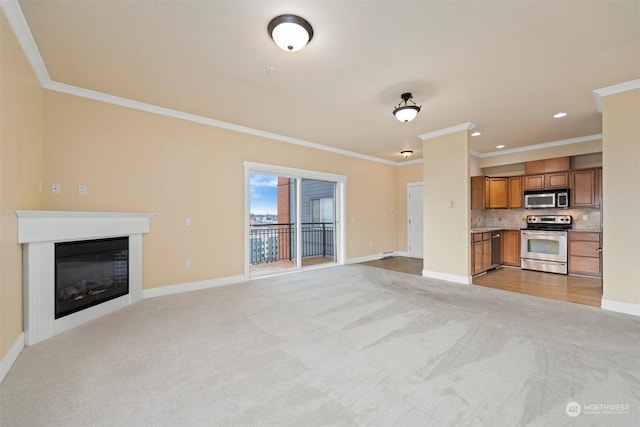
pixel 499 146
pixel 476 134
pixel 290 32
pixel 406 113
pixel 560 115
pixel 406 153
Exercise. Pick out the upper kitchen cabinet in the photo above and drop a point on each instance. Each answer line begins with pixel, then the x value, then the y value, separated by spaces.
pixel 546 181
pixel 547 174
pixel 496 192
pixel 515 192
pixel 477 192
pixel 538 167
pixel 586 188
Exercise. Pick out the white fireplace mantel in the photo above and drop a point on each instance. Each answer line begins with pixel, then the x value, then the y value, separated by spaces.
pixel 44 226
pixel 39 231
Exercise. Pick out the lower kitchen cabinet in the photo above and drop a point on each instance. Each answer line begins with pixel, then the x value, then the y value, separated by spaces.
pixel 511 248
pixel 480 252
pixel 585 253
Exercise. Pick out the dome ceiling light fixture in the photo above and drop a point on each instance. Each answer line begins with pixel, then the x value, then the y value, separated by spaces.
pixel 406 153
pixel 406 113
pixel 290 32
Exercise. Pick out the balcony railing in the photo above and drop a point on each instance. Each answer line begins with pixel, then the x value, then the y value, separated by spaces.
pixel 277 242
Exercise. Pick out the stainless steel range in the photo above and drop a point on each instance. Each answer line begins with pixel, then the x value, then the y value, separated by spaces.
pixel 544 243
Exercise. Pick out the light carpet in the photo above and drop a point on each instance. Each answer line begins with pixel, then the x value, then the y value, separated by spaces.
pixel 342 346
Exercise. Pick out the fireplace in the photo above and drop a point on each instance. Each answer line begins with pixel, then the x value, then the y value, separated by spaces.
pixel 89 273
pixel 78 266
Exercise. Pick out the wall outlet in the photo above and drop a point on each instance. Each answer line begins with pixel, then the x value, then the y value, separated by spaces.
pixel 187 222
pixel 187 263
pixel 55 189
pixel 82 190
pixel 585 217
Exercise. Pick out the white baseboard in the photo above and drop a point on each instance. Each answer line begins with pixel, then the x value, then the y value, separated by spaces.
pixel 407 255
pixel 463 280
pixel 363 259
pixel 12 355
pixel 192 286
pixel 620 307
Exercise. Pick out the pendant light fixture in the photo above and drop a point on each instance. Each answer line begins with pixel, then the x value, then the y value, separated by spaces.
pixel 290 32
pixel 406 113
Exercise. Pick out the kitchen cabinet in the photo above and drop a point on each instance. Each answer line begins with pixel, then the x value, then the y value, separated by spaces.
pixel 586 188
pixel 498 193
pixel 480 252
pixel 515 192
pixel 546 181
pixel 477 192
pixel 511 248
pixel 547 165
pixel 585 253
pixel 494 193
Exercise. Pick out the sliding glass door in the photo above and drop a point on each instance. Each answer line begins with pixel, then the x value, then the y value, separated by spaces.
pixel 293 219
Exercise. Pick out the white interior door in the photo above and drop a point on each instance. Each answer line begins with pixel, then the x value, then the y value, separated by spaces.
pixel 415 227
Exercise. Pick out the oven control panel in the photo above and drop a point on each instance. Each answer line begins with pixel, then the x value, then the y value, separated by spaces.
pixel 549 219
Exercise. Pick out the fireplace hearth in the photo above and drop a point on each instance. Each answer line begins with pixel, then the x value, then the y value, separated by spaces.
pixel 89 273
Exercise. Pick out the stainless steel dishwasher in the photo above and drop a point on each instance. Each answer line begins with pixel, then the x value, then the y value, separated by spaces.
pixel 496 249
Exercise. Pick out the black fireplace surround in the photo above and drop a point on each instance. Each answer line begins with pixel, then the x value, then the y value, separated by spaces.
pixel 89 273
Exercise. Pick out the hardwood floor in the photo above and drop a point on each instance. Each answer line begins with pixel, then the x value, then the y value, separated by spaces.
pixel 398 263
pixel 580 290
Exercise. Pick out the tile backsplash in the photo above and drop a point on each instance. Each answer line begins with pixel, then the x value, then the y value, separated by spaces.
pixel 516 218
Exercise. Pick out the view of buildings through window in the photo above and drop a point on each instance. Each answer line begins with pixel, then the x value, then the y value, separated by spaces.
pixel 273 213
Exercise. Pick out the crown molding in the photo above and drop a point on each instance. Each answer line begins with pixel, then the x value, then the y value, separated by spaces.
pixel 137 105
pixel 446 131
pixel 18 24
pixel 537 146
pixel 598 94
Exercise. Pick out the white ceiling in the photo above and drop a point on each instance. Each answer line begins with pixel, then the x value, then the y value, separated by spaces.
pixel 505 66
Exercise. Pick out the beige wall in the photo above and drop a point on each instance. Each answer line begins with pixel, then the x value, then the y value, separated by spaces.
pixel 446 179
pixel 132 160
pixel 406 174
pixel 621 197
pixel 21 115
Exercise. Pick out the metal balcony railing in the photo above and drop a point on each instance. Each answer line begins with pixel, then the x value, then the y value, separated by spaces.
pixel 277 242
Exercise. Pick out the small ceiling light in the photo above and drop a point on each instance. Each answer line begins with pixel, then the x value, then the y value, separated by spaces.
pixel 499 146
pixel 290 32
pixel 406 153
pixel 559 115
pixel 406 113
pixel 476 134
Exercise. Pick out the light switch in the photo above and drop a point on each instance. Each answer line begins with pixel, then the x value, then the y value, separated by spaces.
pixel 187 222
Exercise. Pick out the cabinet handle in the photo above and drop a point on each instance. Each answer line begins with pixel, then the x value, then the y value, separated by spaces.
pixel 599 249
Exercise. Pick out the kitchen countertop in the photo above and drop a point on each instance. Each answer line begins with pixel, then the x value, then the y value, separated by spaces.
pixel 486 229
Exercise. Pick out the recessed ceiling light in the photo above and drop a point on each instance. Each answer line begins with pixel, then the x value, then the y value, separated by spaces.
pixel 559 115
pixel 476 134
pixel 499 146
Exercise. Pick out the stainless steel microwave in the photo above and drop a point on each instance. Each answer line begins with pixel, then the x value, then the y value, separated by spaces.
pixel 546 199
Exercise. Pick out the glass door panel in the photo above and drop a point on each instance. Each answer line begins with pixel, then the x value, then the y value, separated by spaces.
pixel 272 225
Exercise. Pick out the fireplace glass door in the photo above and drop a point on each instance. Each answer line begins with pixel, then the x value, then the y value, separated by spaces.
pixel 89 273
